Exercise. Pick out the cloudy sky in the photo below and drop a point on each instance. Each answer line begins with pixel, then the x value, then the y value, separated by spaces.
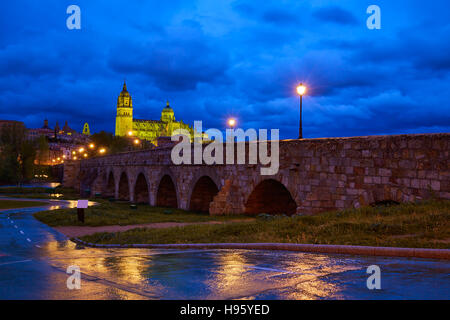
pixel 216 58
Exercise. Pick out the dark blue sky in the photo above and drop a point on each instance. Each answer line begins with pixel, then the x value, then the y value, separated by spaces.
pixel 214 59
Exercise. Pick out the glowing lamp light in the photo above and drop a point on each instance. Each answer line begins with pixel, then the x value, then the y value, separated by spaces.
pixel 136 141
pixel 92 146
pixel 102 150
pixel 74 152
pixel 130 133
pixel 75 158
pixel 231 122
pixel 301 89
pixel 85 155
pixel 59 159
pixel 80 150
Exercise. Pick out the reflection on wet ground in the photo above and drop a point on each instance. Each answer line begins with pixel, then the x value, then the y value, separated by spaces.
pixel 34 259
pixel 34 185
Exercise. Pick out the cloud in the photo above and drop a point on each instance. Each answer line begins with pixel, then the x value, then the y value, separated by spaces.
pixel 280 17
pixel 239 59
pixel 335 14
pixel 172 64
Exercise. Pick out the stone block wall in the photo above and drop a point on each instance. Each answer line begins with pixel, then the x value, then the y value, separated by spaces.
pixel 317 174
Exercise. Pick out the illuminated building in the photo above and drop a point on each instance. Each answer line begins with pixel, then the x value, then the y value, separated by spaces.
pixel 148 130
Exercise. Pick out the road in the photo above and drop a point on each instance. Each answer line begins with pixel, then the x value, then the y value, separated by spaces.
pixel 34 259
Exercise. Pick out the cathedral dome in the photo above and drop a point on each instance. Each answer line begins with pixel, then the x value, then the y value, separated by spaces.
pixel 167 113
pixel 124 100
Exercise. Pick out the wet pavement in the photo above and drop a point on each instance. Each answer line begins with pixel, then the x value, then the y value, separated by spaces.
pixel 34 259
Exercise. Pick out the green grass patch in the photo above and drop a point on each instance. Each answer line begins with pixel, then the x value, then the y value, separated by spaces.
pixel 107 213
pixel 14 204
pixel 413 225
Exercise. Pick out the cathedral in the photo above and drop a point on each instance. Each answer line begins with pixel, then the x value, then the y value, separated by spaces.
pixel 145 129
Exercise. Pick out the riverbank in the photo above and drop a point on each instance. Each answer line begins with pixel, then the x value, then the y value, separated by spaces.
pixel 39 192
pixel 410 225
pixel 17 204
pixel 80 231
pixel 121 214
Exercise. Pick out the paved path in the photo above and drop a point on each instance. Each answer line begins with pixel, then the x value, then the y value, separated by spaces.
pixel 34 259
pixel 79 231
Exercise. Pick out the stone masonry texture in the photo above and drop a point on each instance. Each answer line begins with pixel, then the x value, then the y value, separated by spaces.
pixel 315 175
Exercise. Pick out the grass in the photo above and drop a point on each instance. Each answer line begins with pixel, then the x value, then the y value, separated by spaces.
pixel 14 204
pixel 106 214
pixel 414 225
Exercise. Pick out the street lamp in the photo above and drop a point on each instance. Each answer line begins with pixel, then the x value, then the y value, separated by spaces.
pixel 130 133
pixel 102 150
pixel 231 122
pixel 301 89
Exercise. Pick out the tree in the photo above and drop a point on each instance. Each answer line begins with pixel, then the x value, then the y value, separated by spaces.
pixel 16 154
pixel 113 144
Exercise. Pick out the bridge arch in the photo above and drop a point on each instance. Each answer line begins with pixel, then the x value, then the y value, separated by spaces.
pixel 141 189
pixel 124 187
pixel 272 197
pixel 110 186
pixel 166 193
pixel 88 177
pixel 203 191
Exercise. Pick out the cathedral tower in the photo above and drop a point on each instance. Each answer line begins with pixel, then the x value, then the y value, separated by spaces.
pixel 167 114
pixel 124 118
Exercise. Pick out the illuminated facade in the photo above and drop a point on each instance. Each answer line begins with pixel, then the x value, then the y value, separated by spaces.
pixel 145 129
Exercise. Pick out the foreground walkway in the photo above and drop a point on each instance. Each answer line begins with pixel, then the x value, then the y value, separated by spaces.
pixel 34 259
pixel 79 231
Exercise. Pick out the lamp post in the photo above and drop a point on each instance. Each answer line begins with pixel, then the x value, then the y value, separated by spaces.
pixel 301 89
pixel 231 122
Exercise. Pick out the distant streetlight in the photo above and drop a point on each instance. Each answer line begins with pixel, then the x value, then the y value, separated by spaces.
pixel 102 150
pixel 92 146
pixel 85 155
pixel 130 133
pixel 301 90
pixel 231 122
pixel 81 150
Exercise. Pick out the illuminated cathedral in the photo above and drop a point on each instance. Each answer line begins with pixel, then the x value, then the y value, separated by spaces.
pixel 145 129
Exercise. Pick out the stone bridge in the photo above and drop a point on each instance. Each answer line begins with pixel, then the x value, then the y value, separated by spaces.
pixel 314 175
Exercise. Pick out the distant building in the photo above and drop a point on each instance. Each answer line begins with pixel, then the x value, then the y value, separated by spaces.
pixel 86 130
pixel 10 124
pixel 149 130
pixel 61 143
